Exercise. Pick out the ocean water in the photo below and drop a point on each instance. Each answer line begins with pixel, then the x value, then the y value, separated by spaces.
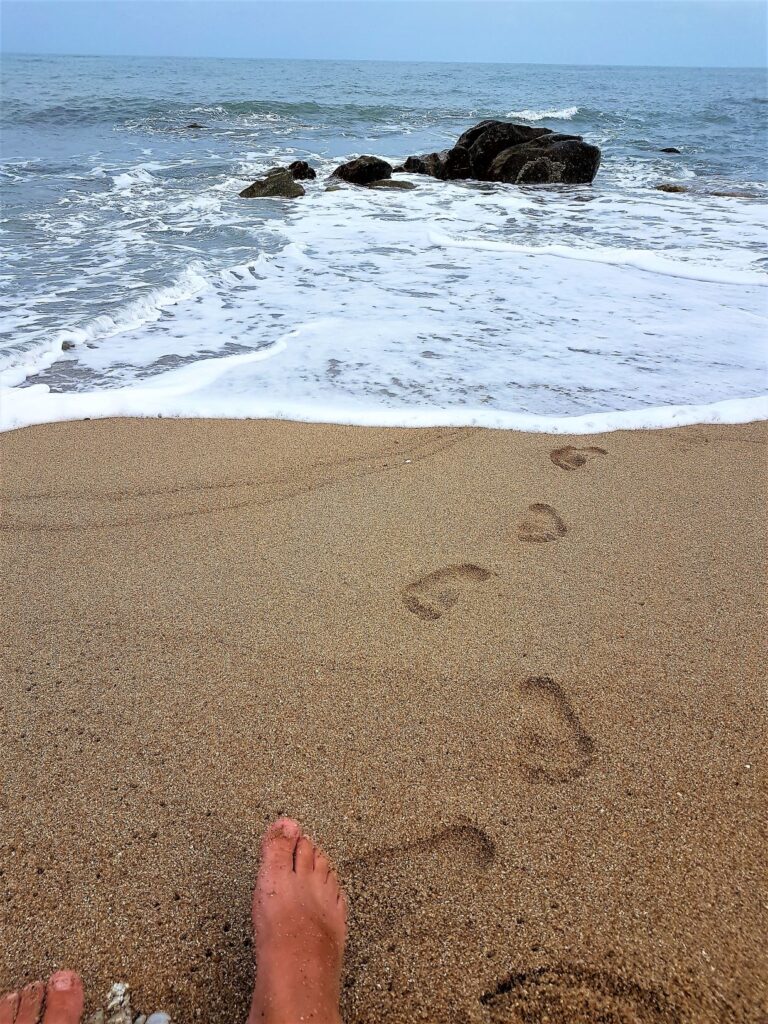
pixel 135 281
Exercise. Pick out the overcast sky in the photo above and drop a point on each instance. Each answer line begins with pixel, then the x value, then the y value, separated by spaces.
pixel 729 33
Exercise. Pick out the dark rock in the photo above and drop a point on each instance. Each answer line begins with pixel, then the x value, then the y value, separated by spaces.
pixel 667 187
pixel 363 170
pixel 669 149
pixel 558 159
pixel 448 165
pixel 194 124
pixel 415 165
pixel 495 137
pixel 301 170
pixel 502 151
pixel 406 186
pixel 278 183
pixel 540 171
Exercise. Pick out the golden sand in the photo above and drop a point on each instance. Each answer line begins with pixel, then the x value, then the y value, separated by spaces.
pixel 511 681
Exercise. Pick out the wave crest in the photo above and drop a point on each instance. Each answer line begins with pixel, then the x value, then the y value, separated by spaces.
pixel 563 114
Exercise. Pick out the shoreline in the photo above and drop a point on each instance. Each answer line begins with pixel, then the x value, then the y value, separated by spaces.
pixel 515 689
pixel 173 402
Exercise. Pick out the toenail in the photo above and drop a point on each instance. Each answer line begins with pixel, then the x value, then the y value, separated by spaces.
pixel 63 980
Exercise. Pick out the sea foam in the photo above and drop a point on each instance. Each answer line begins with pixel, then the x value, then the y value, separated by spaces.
pixel 561 114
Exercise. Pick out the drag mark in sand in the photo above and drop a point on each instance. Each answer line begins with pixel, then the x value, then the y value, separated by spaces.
pixel 65 511
pixel 565 994
pixel 541 523
pixel 571 458
pixel 552 745
pixel 432 595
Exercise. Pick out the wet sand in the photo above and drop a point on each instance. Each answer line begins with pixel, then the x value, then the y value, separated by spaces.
pixel 521 704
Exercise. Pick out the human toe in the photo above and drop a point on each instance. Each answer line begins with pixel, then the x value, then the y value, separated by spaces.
pixel 63 999
pixel 323 866
pixel 305 856
pixel 30 1003
pixel 279 844
pixel 8 1006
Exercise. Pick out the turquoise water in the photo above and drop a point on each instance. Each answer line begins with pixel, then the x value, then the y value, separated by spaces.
pixel 128 256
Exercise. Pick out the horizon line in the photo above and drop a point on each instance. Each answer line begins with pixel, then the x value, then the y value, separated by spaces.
pixel 386 60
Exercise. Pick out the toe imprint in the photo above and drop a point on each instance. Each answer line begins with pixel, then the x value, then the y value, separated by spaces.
pixel 432 595
pixel 571 458
pixel 564 994
pixel 551 743
pixel 541 523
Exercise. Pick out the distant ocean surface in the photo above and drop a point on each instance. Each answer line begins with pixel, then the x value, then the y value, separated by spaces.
pixel 135 281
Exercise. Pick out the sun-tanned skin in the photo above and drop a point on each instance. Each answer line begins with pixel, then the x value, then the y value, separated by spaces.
pixel 300 927
pixel 61 1001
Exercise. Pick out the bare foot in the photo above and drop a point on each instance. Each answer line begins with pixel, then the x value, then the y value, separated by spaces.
pixel 300 926
pixel 62 998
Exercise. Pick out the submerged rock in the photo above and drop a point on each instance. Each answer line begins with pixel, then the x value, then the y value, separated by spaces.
pixel 503 151
pixel 301 170
pixel 363 170
pixel 279 183
pixel 721 195
pixel 194 124
pixel 669 187
pixel 406 186
pixel 669 149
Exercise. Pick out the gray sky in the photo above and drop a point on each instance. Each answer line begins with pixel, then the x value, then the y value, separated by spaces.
pixel 728 33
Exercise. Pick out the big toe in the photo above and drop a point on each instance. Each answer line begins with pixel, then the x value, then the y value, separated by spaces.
pixel 279 844
pixel 63 999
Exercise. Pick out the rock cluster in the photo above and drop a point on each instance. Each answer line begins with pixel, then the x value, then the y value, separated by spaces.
pixel 490 151
pixel 515 153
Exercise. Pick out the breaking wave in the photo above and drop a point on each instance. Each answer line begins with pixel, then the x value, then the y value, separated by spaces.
pixel 563 114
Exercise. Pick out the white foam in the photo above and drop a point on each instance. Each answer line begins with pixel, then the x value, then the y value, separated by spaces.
pixel 38 405
pixel 650 262
pixel 538 309
pixel 559 114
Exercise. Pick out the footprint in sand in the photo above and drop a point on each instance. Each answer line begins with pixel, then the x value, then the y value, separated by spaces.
pixel 540 523
pixel 432 595
pixel 399 888
pixel 571 458
pixel 404 900
pixel 465 846
pixel 551 744
pixel 567 994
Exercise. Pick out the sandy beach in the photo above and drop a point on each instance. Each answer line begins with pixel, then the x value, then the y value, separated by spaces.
pixel 512 682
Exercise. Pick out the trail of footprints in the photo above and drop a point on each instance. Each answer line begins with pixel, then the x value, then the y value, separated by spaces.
pixel 431 596
pixel 550 745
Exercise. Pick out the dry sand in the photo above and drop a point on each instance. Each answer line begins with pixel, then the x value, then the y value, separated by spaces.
pixel 520 704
